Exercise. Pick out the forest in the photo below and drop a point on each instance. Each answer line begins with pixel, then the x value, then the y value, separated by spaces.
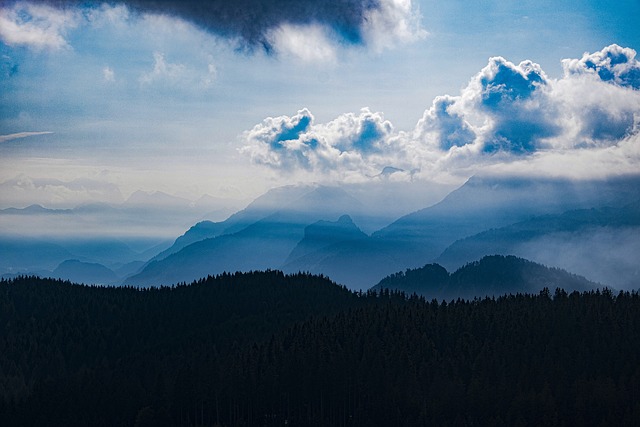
pixel 268 349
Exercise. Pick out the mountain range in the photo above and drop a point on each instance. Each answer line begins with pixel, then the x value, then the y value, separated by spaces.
pixel 588 227
pixel 321 241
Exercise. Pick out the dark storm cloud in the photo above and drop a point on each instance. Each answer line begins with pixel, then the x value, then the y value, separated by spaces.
pixel 251 20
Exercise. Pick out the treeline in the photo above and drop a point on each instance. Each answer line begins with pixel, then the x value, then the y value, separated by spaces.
pixel 266 349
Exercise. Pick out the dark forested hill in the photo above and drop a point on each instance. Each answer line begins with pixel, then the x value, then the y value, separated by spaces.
pixel 490 276
pixel 266 349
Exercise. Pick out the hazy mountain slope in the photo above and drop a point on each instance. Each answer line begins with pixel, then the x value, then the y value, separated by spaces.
pixel 106 233
pixel 490 276
pixel 104 251
pixel 265 244
pixel 85 272
pixel 602 244
pixel 480 204
pixel 489 202
pixel 21 255
pixel 322 234
pixel 268 204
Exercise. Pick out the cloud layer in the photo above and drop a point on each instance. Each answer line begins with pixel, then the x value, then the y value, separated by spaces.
pixel 507 114
pixel 35 25
pixel 306 28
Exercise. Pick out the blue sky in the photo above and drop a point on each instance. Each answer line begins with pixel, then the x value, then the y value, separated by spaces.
pixel 124 98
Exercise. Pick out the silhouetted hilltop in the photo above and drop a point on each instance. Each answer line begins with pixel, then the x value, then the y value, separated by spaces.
pixel 490 276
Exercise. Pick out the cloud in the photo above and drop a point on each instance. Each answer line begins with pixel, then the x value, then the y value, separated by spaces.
pixel 22 190
pixel 37 26
pixel 394 21
pixel 309 28
pixel 503 108
pixel 19 135
pixel 442 127
pixel 311 43
pixel 613 64
pixel 508 114
pixel 171 75
pixel 513 98
pixel 108 74
pixel 350 143
pixel 517 109
pixel 163 71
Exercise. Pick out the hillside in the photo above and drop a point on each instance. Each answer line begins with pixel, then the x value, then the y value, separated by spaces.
pixel 320 236
pixel 490 276
pixel 263 244
pixel 600 243
pixel 482 203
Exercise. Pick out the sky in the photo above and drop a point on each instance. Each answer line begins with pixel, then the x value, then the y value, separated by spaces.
pixel 100 100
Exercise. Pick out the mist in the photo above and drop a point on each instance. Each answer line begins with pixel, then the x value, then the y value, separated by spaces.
pixel 604 254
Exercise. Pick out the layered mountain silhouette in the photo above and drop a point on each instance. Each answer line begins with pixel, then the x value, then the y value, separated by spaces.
pixel 589 227
pixel 493 275
pixel 601 243
pixel 321 236
pixel 263 244
pixel 267 204
pixel 295 229
pixel 480 204
pixel 109 234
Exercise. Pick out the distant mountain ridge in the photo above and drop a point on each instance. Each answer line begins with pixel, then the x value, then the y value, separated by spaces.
pixel 601 243
pixel 319 229
pixel 278 241
pixel 492 275
pixel 261 207
pixel 263 244
pixel 323 234
pixel 480 204
pixel 85 272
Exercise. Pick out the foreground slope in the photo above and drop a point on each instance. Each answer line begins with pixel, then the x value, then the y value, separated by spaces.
pixel 268 349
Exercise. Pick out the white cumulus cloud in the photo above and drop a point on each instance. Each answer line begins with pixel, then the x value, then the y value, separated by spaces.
pixel 612 64
pixel 507 114
pixel 352 143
